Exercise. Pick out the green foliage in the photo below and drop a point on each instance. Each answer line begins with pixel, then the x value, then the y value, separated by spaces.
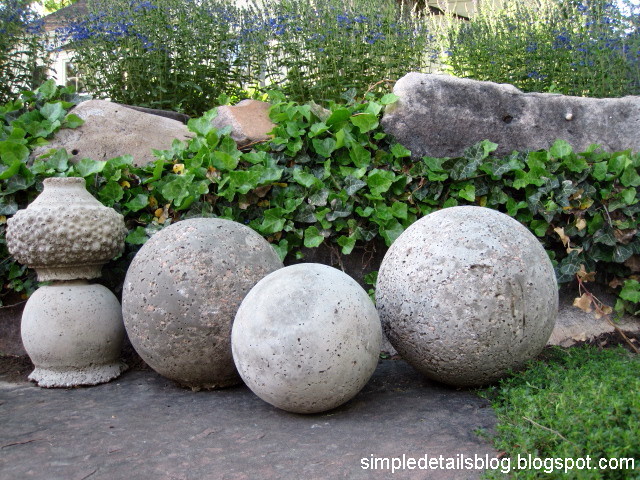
pixel 333 176
pixel 580 402
pixel 583 48
pixel 24 124
pixel 23 55
pixel 184 55
pixel 320 50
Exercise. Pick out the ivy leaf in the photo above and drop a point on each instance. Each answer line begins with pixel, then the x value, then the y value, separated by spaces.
pixel 468 192
pixel 73 121
pixel 138 202
pixel 561 149
pixel 352 185
pixel 53 111
pixel 10 171
pixel 389 98
pixel 365 121
pixel 324 147
pixel 347 243
pixel 379 181
pixel 273 221
pixel 86 167
pixel 630 291
pixel 223 161
pixel 319 198
pixel 575 163
pixel 399 210
pixel 317 129
pixel 11 152
pixel 391 231
pixel 539 227
pixel 338 116
pixel 398 151
pixel 630 177
pixel 137 236
pixel 305 179
pixel 360 156
pixel 621 253
pixel 111 193
pixel 599 171
pixel 312 237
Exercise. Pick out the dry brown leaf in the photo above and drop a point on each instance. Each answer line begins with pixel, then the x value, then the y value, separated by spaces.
pixel 581 224
pixel 633 262
pixel 586 276
pixel 563 237
pixel 625 236
pixel 583 303
pixel 615 283
pixel 604 310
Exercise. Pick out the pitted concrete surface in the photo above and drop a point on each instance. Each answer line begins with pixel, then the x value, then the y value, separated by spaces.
pixel 142 426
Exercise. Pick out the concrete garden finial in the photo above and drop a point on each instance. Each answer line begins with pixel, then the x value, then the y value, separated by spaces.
pixel 71 329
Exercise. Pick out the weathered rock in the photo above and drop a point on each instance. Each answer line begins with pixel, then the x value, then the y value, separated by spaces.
pixel 180 117
pixel 249 121
pixel 73 334
pixel 465 294
pixel 306 338
pixel 181 294
pixel 111 130
pixel 440 116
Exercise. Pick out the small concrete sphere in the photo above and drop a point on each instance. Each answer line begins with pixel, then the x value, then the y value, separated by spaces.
pixel 466 294
pixel 306 338
pixel 73 333
pixel 181 294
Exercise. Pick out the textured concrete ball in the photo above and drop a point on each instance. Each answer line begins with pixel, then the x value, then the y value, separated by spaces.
pixel 465 294
pixel 306 338
pixel 181 294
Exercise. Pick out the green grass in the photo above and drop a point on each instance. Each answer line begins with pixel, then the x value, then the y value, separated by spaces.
pixel 572 404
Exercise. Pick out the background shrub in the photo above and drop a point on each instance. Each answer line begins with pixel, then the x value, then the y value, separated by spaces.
pixel 23 56
pixel 584 48
pixel 183 55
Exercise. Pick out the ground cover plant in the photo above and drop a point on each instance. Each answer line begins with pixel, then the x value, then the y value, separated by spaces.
pixel 571 404
pixel 333 176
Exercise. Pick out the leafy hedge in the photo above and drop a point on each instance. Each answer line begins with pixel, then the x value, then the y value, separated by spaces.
pixel 332 175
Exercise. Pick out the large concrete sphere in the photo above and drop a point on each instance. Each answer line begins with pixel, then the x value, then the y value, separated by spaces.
pixel 182 292
pixel 306 338
pixel 465 294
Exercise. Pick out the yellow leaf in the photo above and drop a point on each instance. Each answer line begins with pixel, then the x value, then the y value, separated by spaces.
pixel 178 168
pixel 125 184
pixel 3 219
pixel 581 224
pixel 158 213
pixel 153 203
pixel 483 201
pixel 583 303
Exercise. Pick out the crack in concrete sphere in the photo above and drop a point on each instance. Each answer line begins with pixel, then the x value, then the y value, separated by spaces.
pixel 306 338
pixel 466 294
pixel 181 294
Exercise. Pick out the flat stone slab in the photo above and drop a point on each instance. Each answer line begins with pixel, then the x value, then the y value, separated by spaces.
pixel 142 423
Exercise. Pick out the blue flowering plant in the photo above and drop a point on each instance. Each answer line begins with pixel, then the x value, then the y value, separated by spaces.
pixel 23 53
pixel 575 47
pixel 170 54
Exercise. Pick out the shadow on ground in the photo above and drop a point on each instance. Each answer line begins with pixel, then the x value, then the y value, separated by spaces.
pixel 142 426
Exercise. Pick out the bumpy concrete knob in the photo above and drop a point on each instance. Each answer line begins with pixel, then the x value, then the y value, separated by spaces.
pixel 306 338
pixel 466 294
pixel 65 233
pixel 182 291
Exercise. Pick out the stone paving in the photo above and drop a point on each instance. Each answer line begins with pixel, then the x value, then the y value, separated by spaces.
pixel 143 426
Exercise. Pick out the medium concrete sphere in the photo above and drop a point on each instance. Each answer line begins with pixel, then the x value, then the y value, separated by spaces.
pixel 306 338
pixel 73 334
pixel 182 292
pixel 465 294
